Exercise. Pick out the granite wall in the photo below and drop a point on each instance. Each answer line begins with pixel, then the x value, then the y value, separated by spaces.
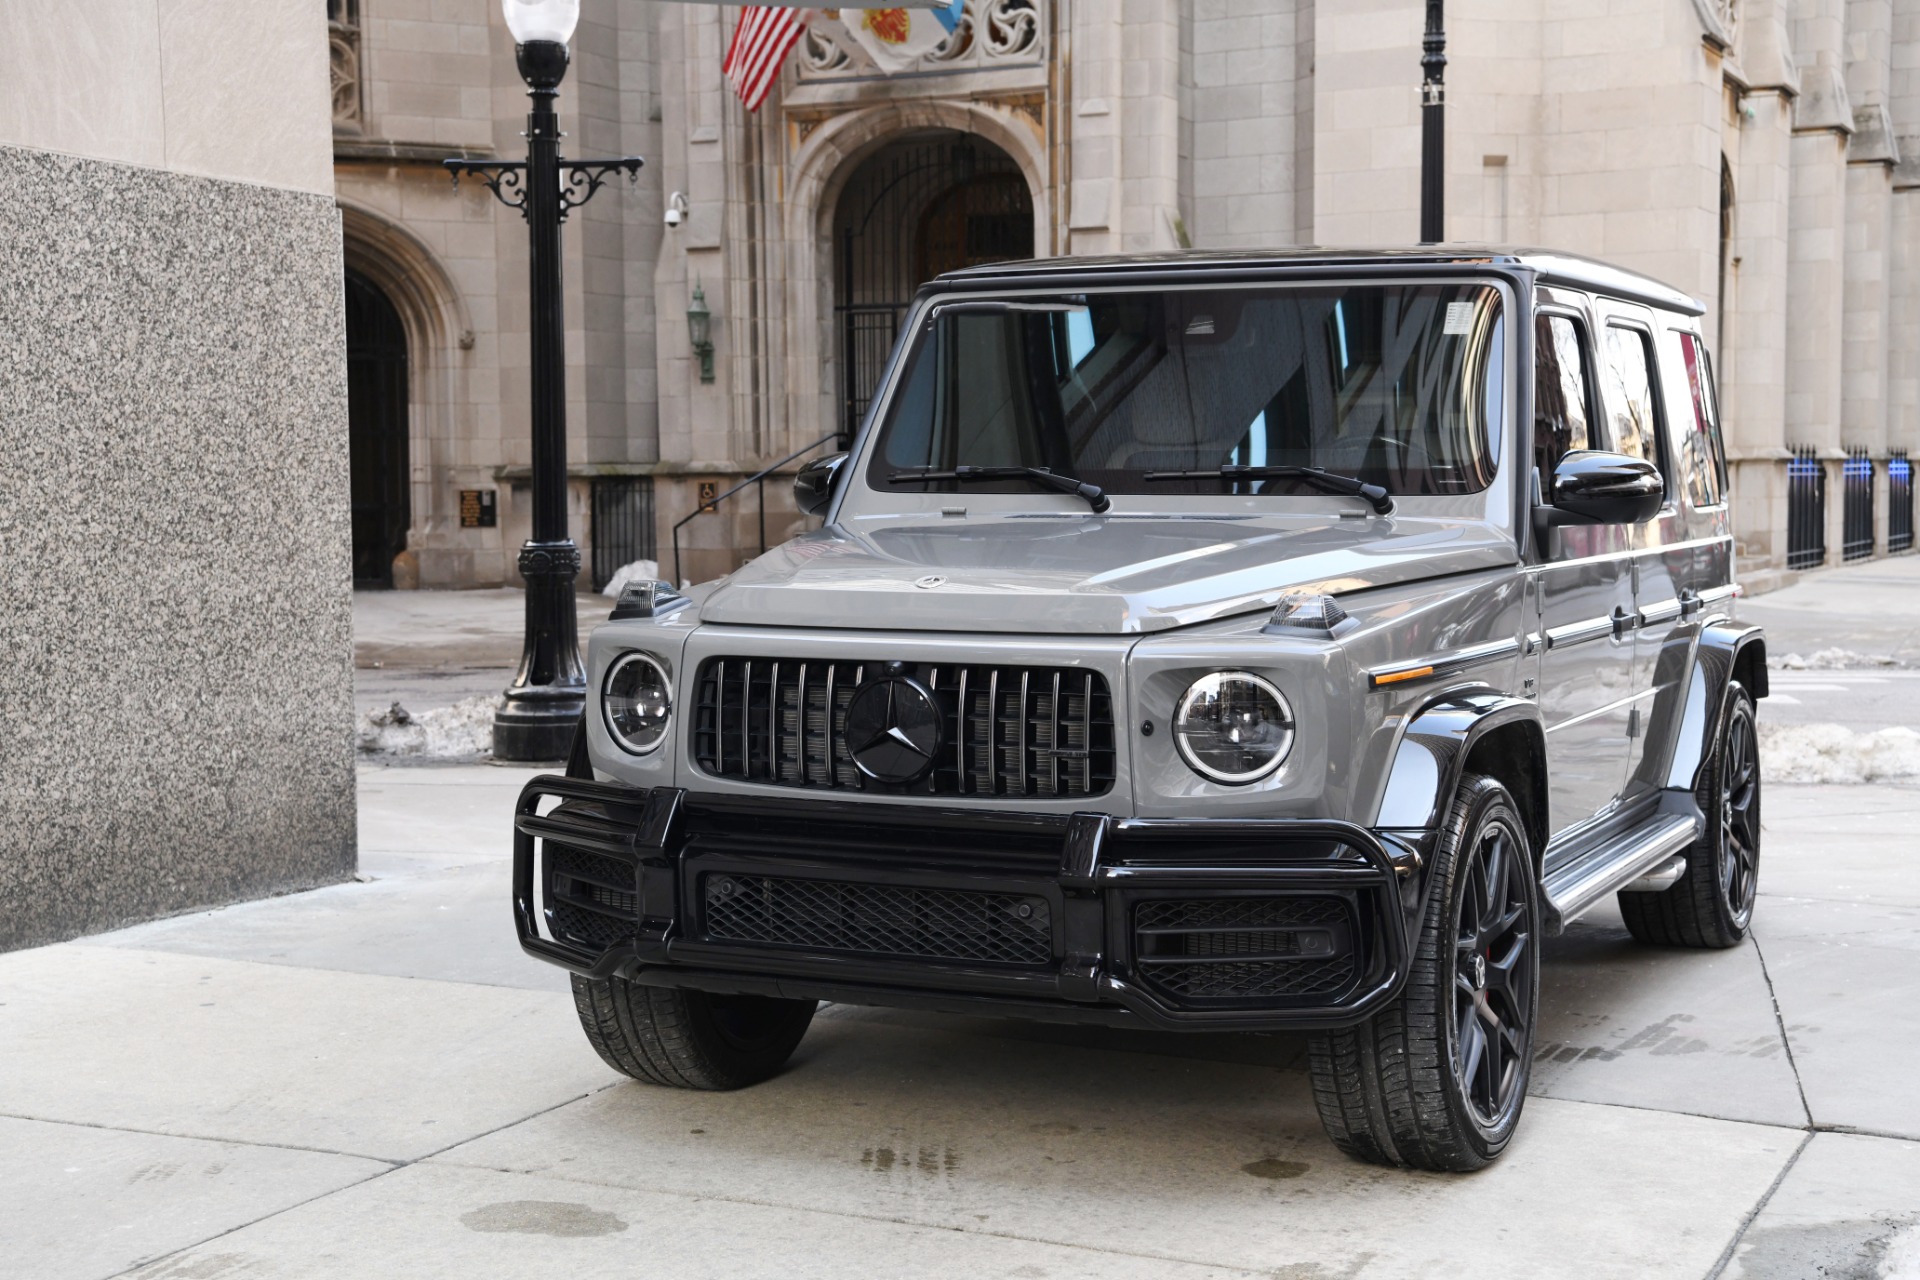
pixel 175 618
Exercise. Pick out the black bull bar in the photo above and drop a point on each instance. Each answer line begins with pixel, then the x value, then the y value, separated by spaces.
pixel 628 881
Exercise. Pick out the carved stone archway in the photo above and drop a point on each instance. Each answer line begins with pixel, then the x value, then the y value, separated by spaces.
pixel 817 174
pixel 438 329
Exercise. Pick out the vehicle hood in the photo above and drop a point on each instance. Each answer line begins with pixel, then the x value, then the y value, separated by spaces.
pixel 1091 575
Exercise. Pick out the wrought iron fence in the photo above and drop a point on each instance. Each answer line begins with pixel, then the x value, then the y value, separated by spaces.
pixel 1806 510
pixel 622 524
pixel 1856 510
pixel 1899 502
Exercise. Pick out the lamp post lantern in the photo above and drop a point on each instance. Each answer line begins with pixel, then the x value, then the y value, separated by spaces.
pixel 536 718
pixel 1433 129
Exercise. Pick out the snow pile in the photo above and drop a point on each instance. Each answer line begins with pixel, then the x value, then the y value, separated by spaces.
pixel 638 571
pixel 1835 659
pixel 1833 753
pixel 463 731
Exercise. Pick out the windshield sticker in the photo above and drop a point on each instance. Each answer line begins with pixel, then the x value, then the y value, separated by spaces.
pixel 1459 318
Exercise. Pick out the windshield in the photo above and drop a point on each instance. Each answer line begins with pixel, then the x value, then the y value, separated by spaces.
pixel 1396 385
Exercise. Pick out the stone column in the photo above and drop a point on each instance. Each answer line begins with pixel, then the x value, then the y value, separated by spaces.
pixel 1869 228
pixel 1753 352
pixel 1816 281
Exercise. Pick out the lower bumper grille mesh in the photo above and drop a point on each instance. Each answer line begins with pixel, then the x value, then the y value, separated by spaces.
pixel 1299 949
pixel 871 919
pixel 591 897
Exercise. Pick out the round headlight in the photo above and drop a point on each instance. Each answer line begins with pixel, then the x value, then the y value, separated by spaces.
pixel 637 702
pixel 1233 727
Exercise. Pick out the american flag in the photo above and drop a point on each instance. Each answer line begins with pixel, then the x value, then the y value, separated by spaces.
pixel 760 45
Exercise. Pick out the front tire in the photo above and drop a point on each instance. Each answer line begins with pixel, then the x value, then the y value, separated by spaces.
pixel 689 1039
pixel 1711 904
pixel 1436 1080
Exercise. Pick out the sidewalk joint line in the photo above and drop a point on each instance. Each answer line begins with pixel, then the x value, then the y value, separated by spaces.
pixel 1780 1020
pixel 1740 1232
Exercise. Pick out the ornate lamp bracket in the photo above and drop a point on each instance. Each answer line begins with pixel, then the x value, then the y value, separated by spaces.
pixel 506 179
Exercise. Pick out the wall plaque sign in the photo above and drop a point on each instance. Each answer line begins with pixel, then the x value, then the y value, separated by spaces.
pixel 477 509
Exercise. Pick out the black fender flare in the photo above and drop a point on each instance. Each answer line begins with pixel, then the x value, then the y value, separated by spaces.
pixel 1428 763
pixel 1432 753
pixel 1725 647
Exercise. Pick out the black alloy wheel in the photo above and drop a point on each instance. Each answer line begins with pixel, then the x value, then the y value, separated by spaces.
pixel 1739 860
pixel 1493 976
pixel 1711 904
pixel 1438 1077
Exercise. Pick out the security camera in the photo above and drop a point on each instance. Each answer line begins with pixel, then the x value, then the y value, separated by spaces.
pixel 676 209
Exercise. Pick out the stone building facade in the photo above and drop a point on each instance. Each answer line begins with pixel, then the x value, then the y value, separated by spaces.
pixel 1760 154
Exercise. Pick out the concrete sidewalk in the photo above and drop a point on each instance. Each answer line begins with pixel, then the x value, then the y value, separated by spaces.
pixel 370 1080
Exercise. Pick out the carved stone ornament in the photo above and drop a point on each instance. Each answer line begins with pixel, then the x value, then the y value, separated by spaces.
pixel 343 67
pixel 1719 21
pixel 990 33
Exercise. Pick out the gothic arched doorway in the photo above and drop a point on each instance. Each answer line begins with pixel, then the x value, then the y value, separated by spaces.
pixel 376 431
pixel 927 203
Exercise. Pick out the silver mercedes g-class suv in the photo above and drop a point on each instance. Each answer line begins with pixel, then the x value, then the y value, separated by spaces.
pixel 1206 641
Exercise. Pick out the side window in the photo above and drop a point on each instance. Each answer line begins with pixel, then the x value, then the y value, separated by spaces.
pixel 1702 455
pixel 1559 391
pixel 1631 399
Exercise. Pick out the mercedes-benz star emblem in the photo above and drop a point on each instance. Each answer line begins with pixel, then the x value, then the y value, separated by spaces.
pixel 931 581
pixel 893 729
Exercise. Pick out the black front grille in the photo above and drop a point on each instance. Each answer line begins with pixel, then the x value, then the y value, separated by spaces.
pixel 875 919
pixel 591 898
pixel 1010 731
pixel 1297 949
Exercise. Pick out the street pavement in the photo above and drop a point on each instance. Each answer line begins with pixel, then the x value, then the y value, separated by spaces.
pixel 370 1080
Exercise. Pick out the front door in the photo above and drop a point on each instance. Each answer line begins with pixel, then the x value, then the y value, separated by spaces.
pixel 1584 589
pixel 376 431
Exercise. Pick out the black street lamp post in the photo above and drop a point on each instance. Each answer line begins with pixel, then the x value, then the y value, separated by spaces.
pixel 541 707
pixel 1433 130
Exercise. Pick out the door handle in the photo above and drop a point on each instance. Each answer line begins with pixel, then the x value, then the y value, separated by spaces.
pixel 1623 621
pixel 1690 603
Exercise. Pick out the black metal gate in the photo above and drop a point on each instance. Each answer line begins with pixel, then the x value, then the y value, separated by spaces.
pixel 622 525
pixel 381 497
pixel 1806 510
pixel 1899 502
pixel 1856 511
pixel 932 203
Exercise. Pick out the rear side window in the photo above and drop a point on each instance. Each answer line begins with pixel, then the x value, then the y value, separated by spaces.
pixel 1632 403
pixel 1560 401
pixel 1703 459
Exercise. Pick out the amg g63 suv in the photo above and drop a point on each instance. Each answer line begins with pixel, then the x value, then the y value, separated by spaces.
pixel 1196 642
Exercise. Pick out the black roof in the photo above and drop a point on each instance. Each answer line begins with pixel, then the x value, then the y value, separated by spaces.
pixel 1549 266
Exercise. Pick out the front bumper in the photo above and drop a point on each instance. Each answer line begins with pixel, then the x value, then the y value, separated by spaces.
pixel 1196 924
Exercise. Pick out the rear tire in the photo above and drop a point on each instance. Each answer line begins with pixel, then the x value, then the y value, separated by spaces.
pixel 1436 1080
pixel 1711 904
pixel 689 1039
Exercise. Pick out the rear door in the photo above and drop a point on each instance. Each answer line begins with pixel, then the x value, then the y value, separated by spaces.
pixel 1637 425
pixel 1584 585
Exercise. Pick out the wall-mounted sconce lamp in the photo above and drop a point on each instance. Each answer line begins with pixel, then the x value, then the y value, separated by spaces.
pixel 700 332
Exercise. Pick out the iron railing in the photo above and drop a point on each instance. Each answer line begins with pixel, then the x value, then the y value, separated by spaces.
pixel 1806 510
pixel 758 478
pixel 1856 509
pixel 622 525
pixel 1899 502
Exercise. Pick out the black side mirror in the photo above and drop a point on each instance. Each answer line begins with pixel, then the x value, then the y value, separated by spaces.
pixel 1592 487
pixel 813 486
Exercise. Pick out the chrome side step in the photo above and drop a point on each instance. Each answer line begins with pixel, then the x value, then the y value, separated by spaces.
pixel 1575 888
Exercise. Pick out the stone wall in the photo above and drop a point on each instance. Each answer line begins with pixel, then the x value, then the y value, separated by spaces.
pixel 176 693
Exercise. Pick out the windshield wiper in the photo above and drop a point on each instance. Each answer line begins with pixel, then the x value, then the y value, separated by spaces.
pixel 1325 481
pixel 1094 495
